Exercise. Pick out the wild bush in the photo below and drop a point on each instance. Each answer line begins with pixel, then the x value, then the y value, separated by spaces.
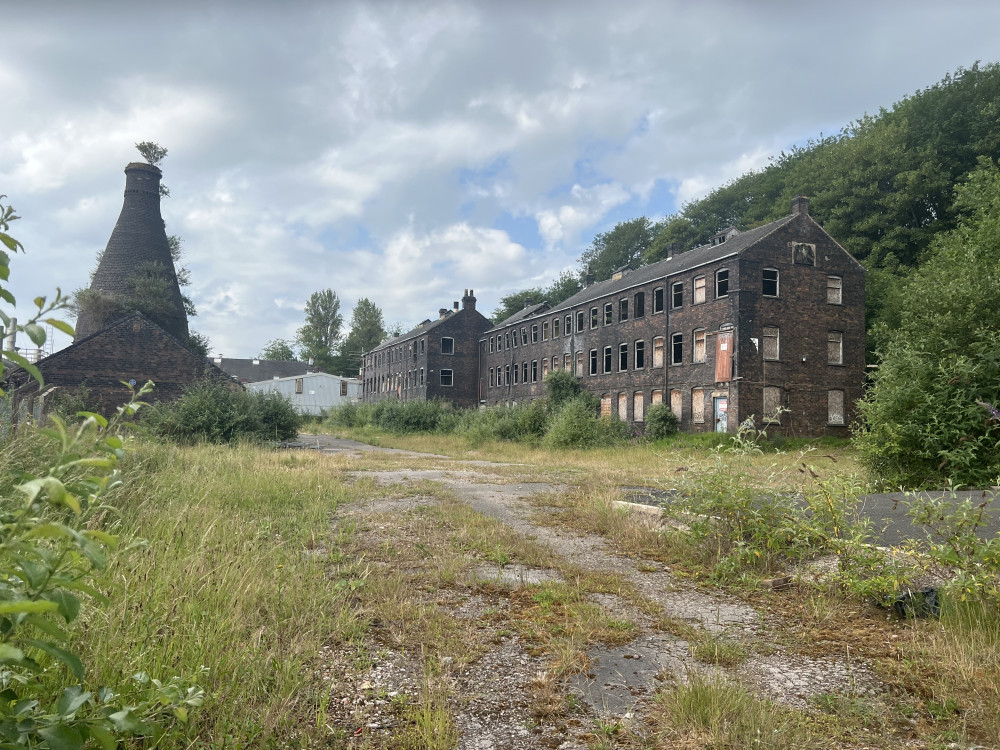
pixel 414 416
pixel 561 386
pixel 350 415
pixel 520 423
pixel 214 412
pixel 661 422
pixel 576 425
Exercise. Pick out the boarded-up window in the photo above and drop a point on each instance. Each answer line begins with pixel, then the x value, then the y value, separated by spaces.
pixel 772 403
pixel 699 346
pixel 656 397
pixel 677 403
pixel 545 367
pixel 567 363
pixel 343 388
pixel 606 405
pixel 298 385
pixel 698 405
pixel 638 407
pixel 771 342
pixel 724 357
pixel 835 407
pixel 699 290
pixel 579 364
pixel 834 290
pixel 623 406
pixel 658 352
pixel 835 348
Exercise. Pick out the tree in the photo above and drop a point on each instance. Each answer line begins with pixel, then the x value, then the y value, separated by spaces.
pixel 278 350
pixel 320 336
pixel 367 332
pixel 154 153
pixel 515 301
pixel 931 414
pixel 621 246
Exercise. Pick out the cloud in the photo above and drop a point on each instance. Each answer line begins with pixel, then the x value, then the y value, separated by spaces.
pixel 589 205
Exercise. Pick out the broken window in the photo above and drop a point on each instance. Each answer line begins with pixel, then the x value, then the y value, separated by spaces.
pixel 699 290
pixel 640 355
pixel 699 346
pixel 770 282
pixel 639 305
pixel 622 310
pixel 722 283
pixel 677 349
pixel 772 342
pixel 622 357
pixel 834 290
pixel 658 300
pixel 835 407
pixel 835 348
pixel 609 311
pixel 698 405
pixel 447 345
pixel 658 351
pixel 677 294
pixel 772 404
pixel 803 254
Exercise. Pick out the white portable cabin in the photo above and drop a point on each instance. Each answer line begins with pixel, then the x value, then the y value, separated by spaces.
pixel 314 392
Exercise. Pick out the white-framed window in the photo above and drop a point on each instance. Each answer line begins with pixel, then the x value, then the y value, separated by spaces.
pixel 834 290
pixel 524 337
pixel 534 371
pixel 676 295
pixel 639 358
pixel 491 344
pixel 491 381
pixel 506 340
pixel 447 378
pixel 622 310
pixel 568 325
pixel 769 282
pixel 835 348
pixel 622 357
pixel 593 361
pixel 556 323
pixel 772 404
pixel 658 300
pixel 567 362
pixel 699 290
pixel 609 312
pixel 658 351
pixel 772 342
pixel 595 317
pixel 447 345
pixel 515 373
pixel 698 352
pixel 607 359
pixel 835 407
pixel 581 318
pixel 677 349
pixel 534 333
pixel 722 283
pixel 545 330
pixel 506 375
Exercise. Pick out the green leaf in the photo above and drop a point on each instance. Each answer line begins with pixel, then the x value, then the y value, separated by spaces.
pixel 35 332
pixel 25 605
pixel 95 416
pixel 50 531
pixel 68 605
pixel 5 295
pixel 49 627
pixel 72 698
pixel 62 737
pixel 17 359
pixel 61 325
pixel 70 660
pixel 126 721
pixel 103 737
pixel 10 654
pixel 34 573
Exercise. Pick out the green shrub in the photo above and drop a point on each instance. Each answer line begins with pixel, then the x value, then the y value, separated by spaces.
pixel 576 425
pixel 350 415
pixel 414 416
pixel 661 422
pixel 520 423
pixel 561 386
pixel 213 411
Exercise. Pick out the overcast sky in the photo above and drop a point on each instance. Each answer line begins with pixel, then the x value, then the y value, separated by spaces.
pixel 406 151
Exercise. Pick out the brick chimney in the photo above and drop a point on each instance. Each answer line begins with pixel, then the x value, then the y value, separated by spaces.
pixel 588 277
pixel 800 205
pixel 469 300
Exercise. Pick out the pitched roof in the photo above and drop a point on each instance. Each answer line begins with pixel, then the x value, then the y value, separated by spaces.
pixel 526 312
pixel 255 370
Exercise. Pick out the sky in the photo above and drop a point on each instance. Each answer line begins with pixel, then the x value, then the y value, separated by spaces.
pixel 407 151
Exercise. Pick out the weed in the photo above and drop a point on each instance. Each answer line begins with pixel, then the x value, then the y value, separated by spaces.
pixel 723 652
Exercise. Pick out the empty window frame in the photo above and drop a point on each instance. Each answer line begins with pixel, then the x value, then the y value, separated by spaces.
pixel 772 342
pixel 658 351
pixel 622 310
pixel 593 361
pixel 699 290
pixel 595 317
pixel 524 337
pixel 447 378
pixel 568 327
pixel 609 313
pixel 677 349
pixel 698 351
pixel 722 283
pixel 639 305
pixel 639 359
pixel 658 300
pixel 556 324
pixel 447 345
pixel 769 282
pixel 622 357
pixel 835 348
pixel 581 318
pixel 608 357
pixel 545 330
pixel 772 404
pixel 834 290
pixel 515 373
pixel 676 295
pixel 638 407
pixel 698 405
pixel 534 333
pixel 835 407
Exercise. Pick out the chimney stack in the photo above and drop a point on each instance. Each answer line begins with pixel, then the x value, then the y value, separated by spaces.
pixel 528 302
pixel 454 305
pixel 469 300
pixel 800 205
pixel 588 278
pixel 442 312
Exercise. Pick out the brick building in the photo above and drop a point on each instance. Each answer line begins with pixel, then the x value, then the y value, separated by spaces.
pixel 439 359
pixel 769 322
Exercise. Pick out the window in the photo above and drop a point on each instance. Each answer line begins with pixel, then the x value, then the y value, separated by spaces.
pixel 638 412
pixel 622 310
pixel 545 367
pixel 698 405
pixel 657 300
pixel 622 406
pixel 609 311
pixel 506 340
pixel 534 371
pixel 506 375
pixel 579 364
pixel 772 404
pixel 555 363
pixel 524 337
pixel 677 403
pixel 545 331
pixel 422 341
pixel 446 378
pixel 524 372
pixel 447 345
pixel 534 333
pixel 835 407
pixel 568 327
pixel 567 361
pixel 699 290
pixel 514 373
pixel 421 375
pixel 298 385
pixel 593 361
pixel 772 342
pixel 834 290
pixel 513 338
pixel 491 344
pixel 594 317
pixel 555 328
pixel 622 357
pixel 640 355
pixel 677 349
pixel 656 397
pixel 580 317
pixel 676 295
pixel 658 351
pixel 639 305
pixel 607 359
pixel 835 348
pixel 803 254
pixel 698 354
pixel 491 381
pixel 770 282
pixel 722 283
